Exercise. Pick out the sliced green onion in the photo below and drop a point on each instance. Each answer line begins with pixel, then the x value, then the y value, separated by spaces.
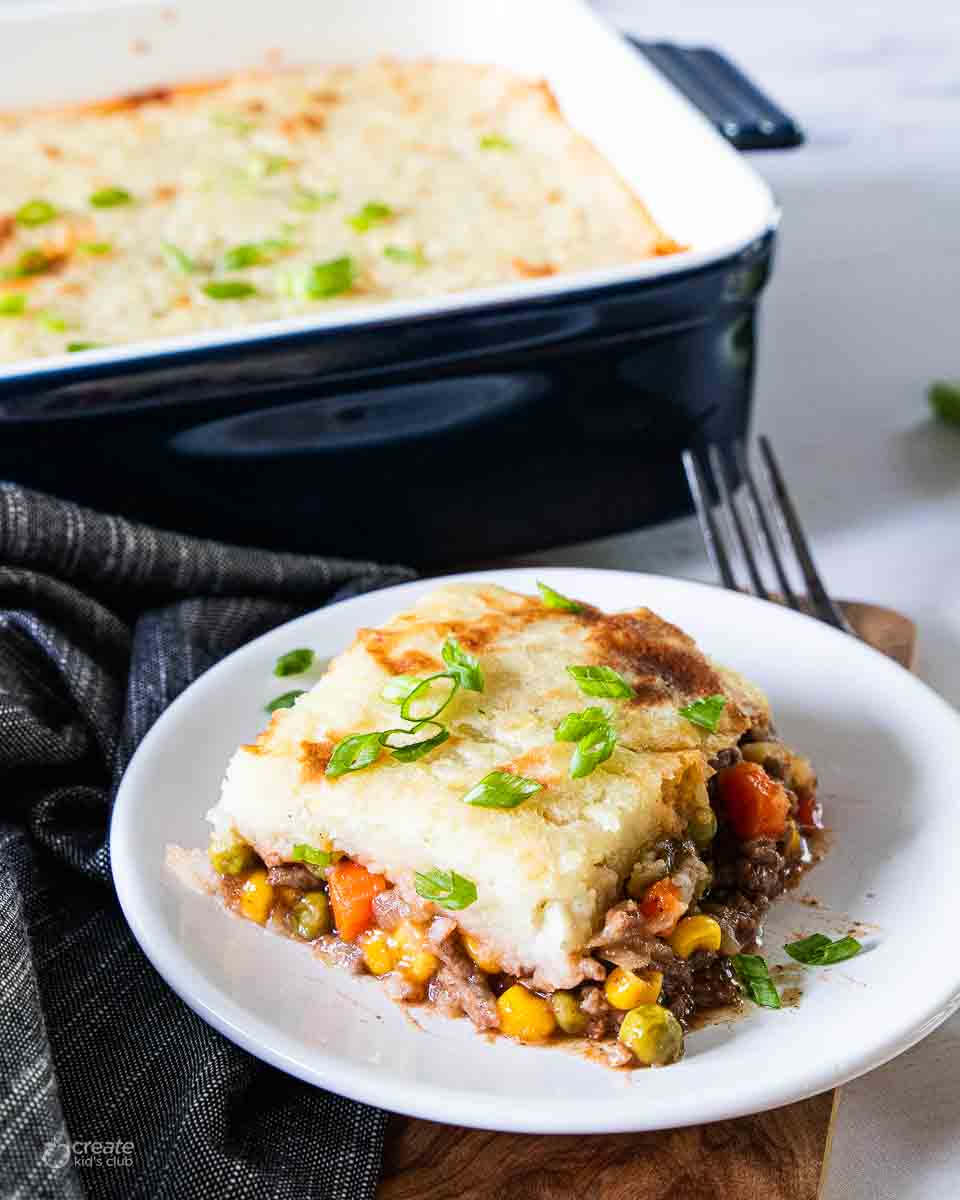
pixel 77 347
pixel 32 261
pixel 110 197
pixel 401 254
pixel 177 258
pixel 303 852
pixel 354 753
pixel 254 254
pixel 821 951
pixel 463 666
pixel 576 725
pixel 232 121
pixel 601 681
pixel 322 281
pixel 264 163
pixel 35 212
pixel 371 214
pixel 411 751
pixel 51 321
pixel 308 200
pixel 421 692
pixel 287 700
pixel 554 599
pixel 496 141
pixel 446 888
pixel 229 289
pixel 944 397
pixel 397 689
pixel 294 662
pixel 501 789
pixel 705 713
pixel 593 749
pixel 13 305
pixel 96 248
pixel 751 970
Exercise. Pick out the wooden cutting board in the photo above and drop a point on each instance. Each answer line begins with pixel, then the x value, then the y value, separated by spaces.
pixel 778 1155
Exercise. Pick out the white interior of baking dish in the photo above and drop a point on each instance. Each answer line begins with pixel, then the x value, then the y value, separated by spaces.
pixel 697 187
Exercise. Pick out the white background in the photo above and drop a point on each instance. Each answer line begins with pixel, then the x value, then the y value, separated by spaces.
pixel 863 311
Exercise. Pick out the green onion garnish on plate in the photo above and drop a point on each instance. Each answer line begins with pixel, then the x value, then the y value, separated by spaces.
pixel 294 662
pixel 820 951
pixel 601 681
pixel 35 212
pixel 501 789
pixel 705 713
pixel 446 888
pixel 354 753
pixel 177 258
pixel 751 971
pixel 13 305
pixel 229 289
pixel 371 214
pixel 554 599
pixel 110 197
pixel 462 665
pixel 287 700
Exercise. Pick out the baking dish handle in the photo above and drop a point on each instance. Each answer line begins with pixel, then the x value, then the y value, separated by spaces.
pixel 746 117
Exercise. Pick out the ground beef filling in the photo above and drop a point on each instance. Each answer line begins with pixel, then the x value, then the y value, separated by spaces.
pixel 731 880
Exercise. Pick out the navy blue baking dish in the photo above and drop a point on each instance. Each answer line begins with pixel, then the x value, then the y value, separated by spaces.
pixel 469 427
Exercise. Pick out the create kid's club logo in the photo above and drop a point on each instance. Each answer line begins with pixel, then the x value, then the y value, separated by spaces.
pixel 61 1150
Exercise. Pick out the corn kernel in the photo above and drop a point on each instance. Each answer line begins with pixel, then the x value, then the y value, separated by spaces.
pixel 481 955
pixel 378 955
pixel 696 933
pixel 570 1016
pixel 411 955
pixel 626 989
pixel 256 897
pixel 524 1015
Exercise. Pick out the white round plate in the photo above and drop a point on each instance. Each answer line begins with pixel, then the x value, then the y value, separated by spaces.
pixel 886 748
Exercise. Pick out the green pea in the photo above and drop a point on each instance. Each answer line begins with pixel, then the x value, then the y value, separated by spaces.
pixel 653 1034
pixel 310 916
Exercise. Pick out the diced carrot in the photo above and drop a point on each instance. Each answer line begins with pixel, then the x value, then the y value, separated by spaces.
pixel 352 891
pixel 662 907
pixel 754 804
pixel 809 810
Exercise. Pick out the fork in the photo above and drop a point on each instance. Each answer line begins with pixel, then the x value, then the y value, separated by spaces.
pixel 766 505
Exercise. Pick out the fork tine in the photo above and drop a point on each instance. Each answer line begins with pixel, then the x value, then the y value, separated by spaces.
pixel 720 471
pixel 760 517
pixel 712 537
pixel 820 601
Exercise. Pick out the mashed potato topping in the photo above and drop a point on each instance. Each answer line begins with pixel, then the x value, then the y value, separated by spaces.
pixel 277 195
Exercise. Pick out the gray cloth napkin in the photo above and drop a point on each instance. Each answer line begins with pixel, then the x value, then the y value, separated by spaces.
pixel 102 623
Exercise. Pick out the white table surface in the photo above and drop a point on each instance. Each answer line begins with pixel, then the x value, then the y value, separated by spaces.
pixel 863 311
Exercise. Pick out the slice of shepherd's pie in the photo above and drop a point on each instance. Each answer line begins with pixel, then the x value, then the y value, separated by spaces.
pixel 557 821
